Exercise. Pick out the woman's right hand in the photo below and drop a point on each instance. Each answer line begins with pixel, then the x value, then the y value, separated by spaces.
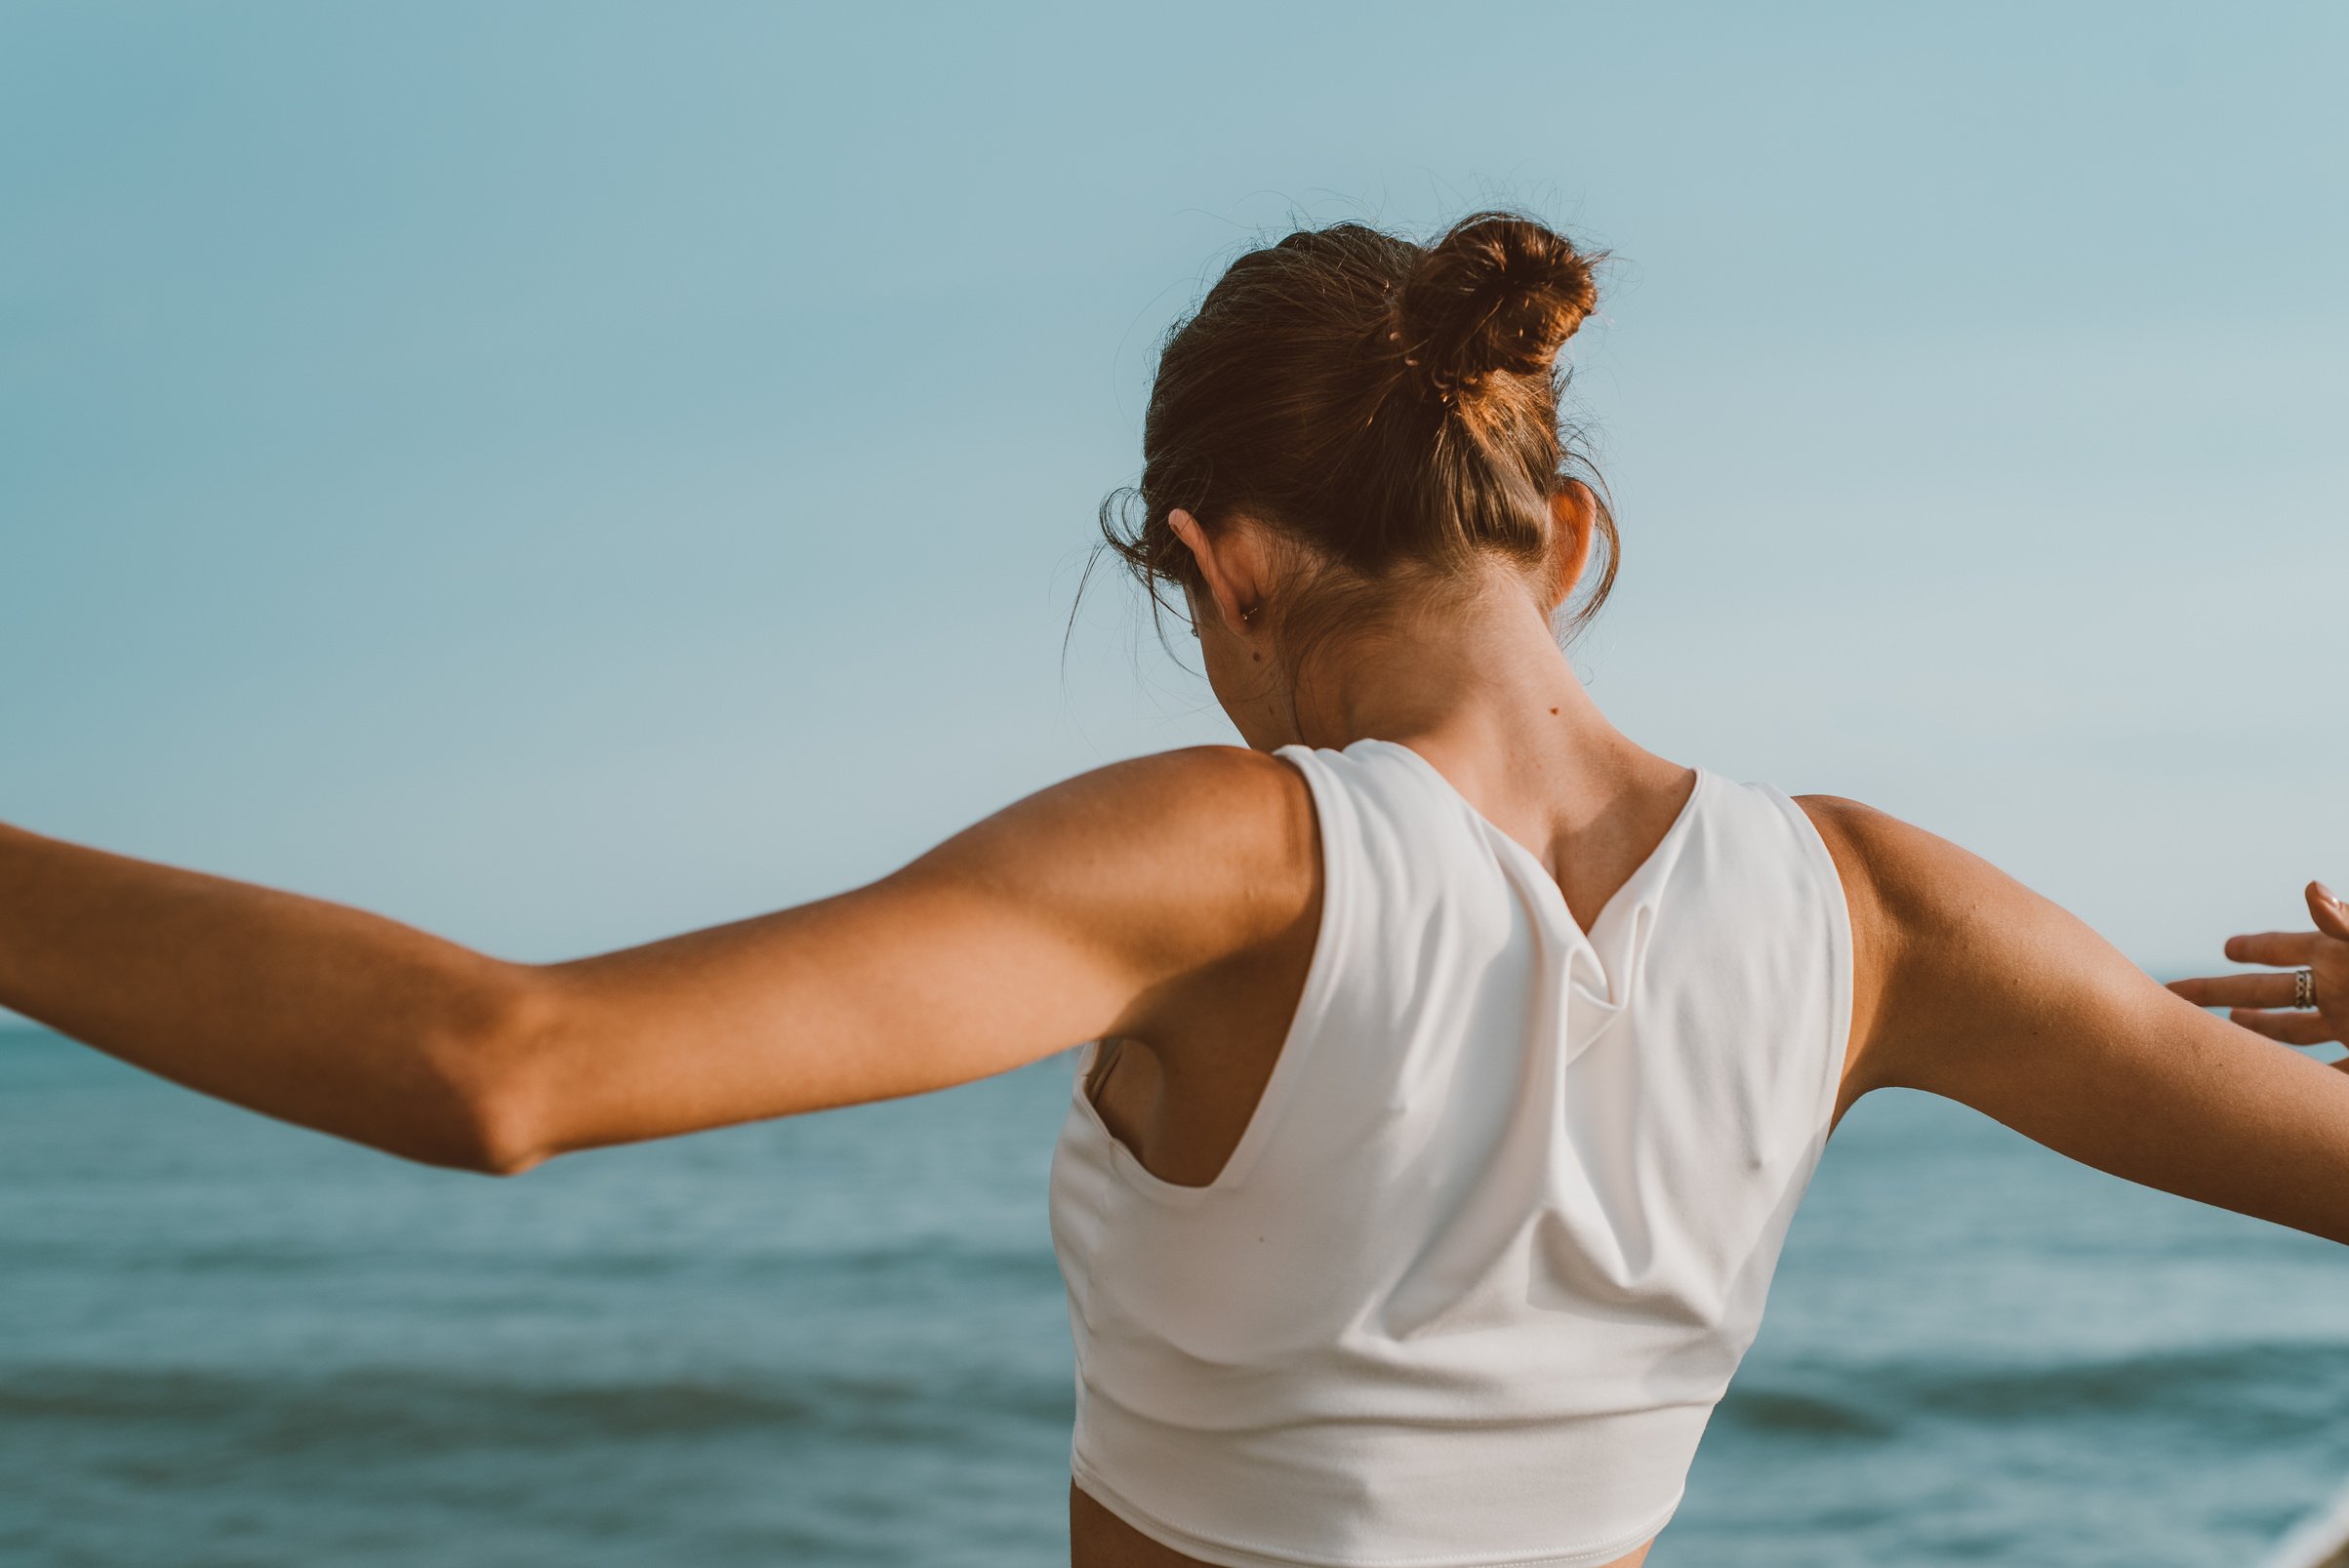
pixel 2264 1002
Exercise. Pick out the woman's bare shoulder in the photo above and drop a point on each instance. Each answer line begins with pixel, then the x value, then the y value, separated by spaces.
pixel 1205 848
pixel 1942 941
pixel 1897 875
pixel 1204 800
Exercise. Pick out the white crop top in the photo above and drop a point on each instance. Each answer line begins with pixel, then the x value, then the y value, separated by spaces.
pixel 1483 1260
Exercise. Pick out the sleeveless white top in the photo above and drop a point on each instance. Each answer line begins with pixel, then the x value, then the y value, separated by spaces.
pixel 1500 1227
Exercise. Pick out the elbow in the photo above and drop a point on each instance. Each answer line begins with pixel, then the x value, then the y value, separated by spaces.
pixel 498 1159
pixel 474 1145
pixel 485 1056
pixel 496 1145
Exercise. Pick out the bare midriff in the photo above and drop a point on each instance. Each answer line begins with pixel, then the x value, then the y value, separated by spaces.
pixel 1099 1539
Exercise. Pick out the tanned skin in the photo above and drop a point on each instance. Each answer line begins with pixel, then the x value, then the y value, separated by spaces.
pixel 1167 903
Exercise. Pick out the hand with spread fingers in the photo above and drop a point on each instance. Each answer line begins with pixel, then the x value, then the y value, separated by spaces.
pixel 2306 1005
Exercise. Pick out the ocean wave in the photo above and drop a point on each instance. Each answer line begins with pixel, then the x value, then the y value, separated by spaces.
pixel 2274 1390
pixel 967 1265
pixel 404 1409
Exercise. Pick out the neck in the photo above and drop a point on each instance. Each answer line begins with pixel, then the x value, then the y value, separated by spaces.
pixel 1483 692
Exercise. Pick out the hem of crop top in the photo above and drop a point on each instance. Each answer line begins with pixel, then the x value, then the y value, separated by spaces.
pixel 1231 1554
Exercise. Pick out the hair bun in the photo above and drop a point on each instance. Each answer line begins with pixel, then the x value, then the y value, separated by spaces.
pixel 1496 293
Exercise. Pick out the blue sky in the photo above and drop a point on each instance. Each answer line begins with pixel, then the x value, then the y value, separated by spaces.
pixel 561 473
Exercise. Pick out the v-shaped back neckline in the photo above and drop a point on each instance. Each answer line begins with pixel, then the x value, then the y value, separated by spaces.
pixel 1532 863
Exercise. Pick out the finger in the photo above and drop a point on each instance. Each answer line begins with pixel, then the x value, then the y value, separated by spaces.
pixel 2292 1029
pixel 2238 991
pixel 2294 948
pixel 2331 916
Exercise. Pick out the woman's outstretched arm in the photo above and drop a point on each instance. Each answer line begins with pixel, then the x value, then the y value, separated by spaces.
pixel 1972 986
pixel 1081 911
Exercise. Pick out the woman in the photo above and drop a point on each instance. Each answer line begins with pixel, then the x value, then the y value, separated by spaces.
pixel 1462 1061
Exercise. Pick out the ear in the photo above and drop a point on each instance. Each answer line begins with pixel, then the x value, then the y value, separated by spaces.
pixel 1573 530
pixel 1235 564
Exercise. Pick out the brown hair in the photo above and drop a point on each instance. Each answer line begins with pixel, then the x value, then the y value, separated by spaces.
pixel 1383 402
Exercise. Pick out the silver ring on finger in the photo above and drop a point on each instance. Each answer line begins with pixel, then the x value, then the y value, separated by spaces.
pixel 2304 988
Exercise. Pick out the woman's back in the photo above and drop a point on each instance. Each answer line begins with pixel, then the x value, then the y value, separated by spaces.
pixel 1503 1220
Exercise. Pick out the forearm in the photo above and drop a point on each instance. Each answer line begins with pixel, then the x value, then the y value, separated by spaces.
pixel 2115 1072
pixel 303 1010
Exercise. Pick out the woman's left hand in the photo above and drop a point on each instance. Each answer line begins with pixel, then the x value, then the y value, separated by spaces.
pixel 2266 1003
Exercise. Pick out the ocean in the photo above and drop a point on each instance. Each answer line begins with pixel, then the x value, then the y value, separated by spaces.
pixel 841 1339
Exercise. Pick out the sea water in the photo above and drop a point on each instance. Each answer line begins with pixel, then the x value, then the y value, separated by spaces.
pixel 841 1339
